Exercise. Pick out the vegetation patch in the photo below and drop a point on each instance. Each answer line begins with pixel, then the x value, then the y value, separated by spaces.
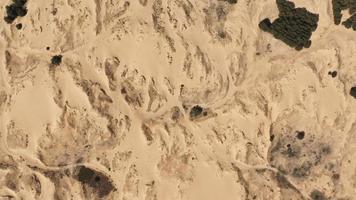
pixel 14 10
pixel 294 26
pixel 339 6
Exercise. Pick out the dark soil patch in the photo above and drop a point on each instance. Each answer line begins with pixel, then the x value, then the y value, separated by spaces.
pixel 98 181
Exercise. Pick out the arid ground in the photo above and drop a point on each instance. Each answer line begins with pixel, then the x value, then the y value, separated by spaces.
pixel 177 99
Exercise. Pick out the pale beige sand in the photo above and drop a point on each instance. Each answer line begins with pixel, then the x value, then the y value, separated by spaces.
pixel 119 103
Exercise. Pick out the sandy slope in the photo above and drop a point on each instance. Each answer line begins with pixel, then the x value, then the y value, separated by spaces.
pixel 120 101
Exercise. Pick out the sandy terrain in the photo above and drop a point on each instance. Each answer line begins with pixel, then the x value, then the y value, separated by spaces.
pixel 174 100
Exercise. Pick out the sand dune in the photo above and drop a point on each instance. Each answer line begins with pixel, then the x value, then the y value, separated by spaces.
pixel 173 99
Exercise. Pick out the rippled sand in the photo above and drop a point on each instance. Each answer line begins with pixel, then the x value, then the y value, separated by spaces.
pixel 174 99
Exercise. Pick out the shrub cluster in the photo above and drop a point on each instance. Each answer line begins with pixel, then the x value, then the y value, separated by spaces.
pixel 56 60
pixel 294 26
pixel 340 5
pixel 14 10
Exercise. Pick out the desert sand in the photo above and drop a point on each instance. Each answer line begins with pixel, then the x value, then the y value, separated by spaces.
pixel 174 100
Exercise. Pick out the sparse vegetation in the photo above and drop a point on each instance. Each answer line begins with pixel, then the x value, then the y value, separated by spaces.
pixel 350 22
pixel 294 25
pixel 317 195
pixel 56 60
pixel 195 111
pixel 19 26
pixel 300 135
pixel 352 4
pixel 333 74
pixel 338 6
pixel 14 10
pixel 231 1
pixel 353 92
